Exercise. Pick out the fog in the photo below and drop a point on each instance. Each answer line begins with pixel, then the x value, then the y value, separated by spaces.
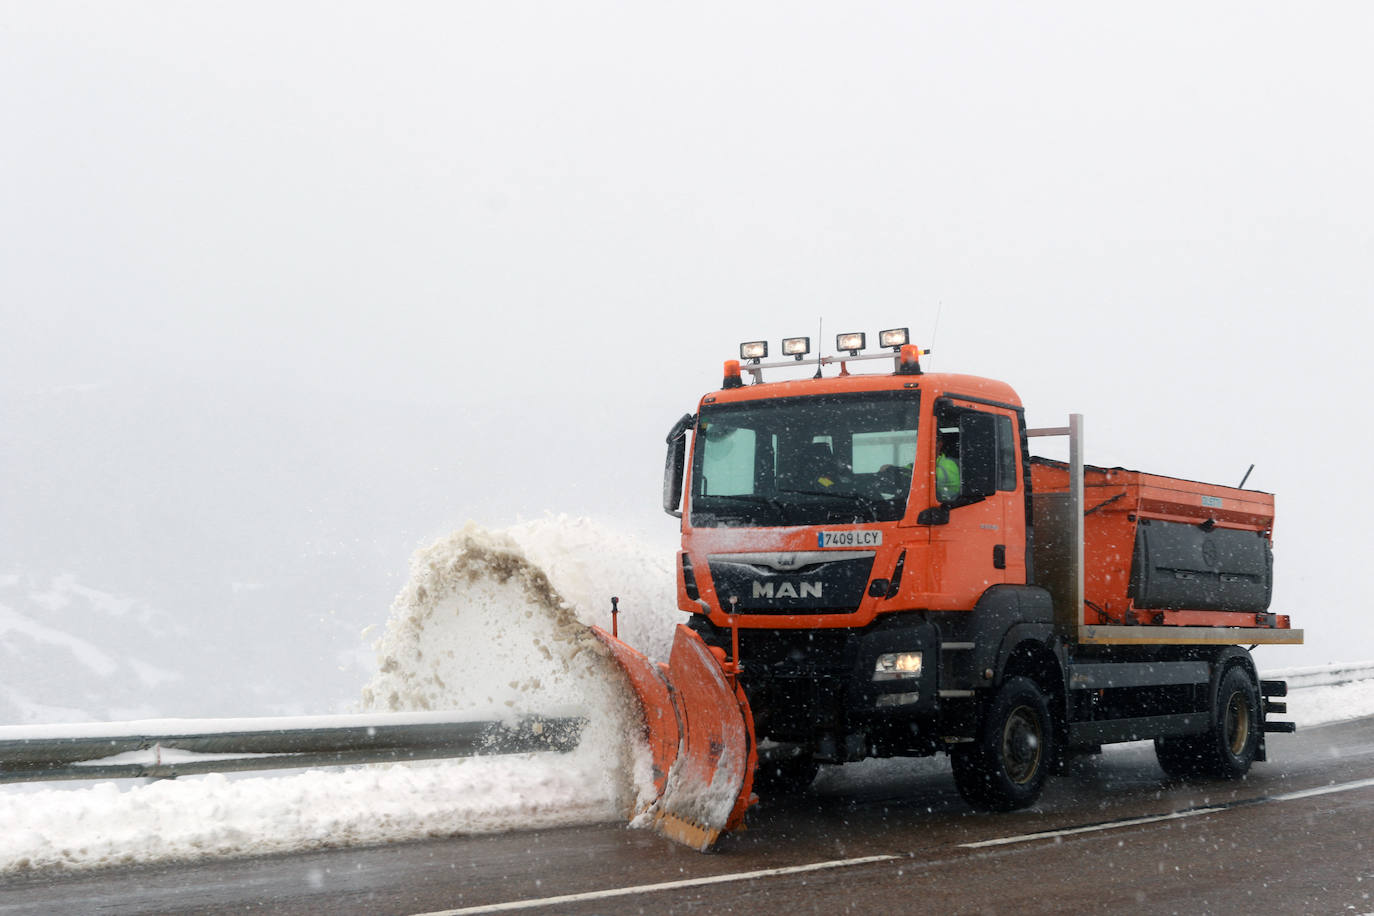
pixel 289 290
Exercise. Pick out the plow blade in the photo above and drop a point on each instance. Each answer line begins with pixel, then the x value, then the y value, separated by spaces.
pixel 700 734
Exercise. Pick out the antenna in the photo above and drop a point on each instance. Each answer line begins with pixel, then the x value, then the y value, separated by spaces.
pixel 939 307
pixel 1245 478
pixel 820 346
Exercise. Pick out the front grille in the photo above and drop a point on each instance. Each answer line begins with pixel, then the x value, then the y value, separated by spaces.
pixel 834 587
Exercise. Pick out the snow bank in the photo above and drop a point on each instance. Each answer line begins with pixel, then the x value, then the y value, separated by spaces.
pixel 1311 706
pixel 217 816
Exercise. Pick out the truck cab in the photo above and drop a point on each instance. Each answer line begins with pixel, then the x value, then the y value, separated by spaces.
pixel 837 522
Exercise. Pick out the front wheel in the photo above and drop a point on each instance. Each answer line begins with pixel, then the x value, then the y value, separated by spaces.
pixel 785 775
pixel 1006 765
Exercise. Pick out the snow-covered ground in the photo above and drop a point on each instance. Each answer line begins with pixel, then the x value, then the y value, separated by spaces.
pixel 487 618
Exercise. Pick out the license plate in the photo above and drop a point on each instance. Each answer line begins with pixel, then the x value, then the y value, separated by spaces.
pixel 849 538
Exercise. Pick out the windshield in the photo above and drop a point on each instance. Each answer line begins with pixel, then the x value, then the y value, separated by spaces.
pixel 828 459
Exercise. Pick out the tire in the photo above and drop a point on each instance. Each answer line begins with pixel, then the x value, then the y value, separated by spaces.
pixel 1181 757
pixel 1230 744
pixel 781 776
pixel 1006 765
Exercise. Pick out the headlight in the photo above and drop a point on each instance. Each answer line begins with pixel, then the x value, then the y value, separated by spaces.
pixel 897 666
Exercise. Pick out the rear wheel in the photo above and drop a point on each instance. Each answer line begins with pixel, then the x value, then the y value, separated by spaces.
pixel 1006 765
pixel 1231 742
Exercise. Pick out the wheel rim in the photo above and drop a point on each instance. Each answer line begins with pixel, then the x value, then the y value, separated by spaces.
pixel 1237 723
pixel 1021 745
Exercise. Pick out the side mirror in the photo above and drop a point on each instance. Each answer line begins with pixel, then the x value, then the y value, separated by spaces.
pixel 675 465
pixel 935 515
pixel 977 455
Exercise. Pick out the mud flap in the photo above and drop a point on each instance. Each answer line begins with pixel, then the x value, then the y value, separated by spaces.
pixel 701 736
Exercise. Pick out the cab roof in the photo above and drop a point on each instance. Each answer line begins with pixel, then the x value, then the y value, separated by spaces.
pixel 938 383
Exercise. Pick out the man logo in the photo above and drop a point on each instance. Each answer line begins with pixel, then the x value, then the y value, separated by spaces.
pixel 787 590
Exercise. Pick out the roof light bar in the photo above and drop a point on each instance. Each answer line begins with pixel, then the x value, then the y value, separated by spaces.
pixel 894 338
pixel 754 349
pixel 895 344
pixel 851 342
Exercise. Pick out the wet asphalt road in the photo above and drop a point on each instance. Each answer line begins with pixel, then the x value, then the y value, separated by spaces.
pixel 1114 835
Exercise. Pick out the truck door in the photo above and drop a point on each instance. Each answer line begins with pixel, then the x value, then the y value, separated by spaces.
pixel 978 535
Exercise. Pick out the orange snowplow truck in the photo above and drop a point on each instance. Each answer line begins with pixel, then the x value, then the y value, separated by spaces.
pixel 902 578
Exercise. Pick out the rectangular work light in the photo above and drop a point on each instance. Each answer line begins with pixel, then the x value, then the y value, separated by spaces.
pixel 851 342
pixel 894 338
pixel 754 349
pixel 796 346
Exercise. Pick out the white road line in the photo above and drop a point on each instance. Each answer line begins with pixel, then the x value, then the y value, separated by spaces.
pixel 534 902
pixel 1192 812
pixel 1324 790
pixel 1091 828
pixel 664 886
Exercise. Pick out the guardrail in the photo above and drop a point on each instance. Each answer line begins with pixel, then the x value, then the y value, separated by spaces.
pixel 167 748
pixel 1324 675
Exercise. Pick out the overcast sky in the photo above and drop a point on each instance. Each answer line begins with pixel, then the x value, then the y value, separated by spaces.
pixel 333 278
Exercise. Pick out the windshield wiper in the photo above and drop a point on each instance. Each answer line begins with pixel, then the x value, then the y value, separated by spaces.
pixel 842 495
pixel 771 502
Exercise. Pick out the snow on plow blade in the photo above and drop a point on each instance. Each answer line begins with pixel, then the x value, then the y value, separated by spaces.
pixel 701 736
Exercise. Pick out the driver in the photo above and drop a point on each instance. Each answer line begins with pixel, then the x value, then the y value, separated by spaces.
pixel 947 484
pixel 818 466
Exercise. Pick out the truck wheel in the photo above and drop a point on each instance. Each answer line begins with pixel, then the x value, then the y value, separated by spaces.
pixel 1179 756
pixel 1006 765
pixel 785 775
pixel 1231 743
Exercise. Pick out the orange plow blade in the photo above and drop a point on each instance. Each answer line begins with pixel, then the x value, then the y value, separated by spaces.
pixel 701 736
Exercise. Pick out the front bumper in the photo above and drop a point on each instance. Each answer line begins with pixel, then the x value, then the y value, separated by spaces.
pixel 816 688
